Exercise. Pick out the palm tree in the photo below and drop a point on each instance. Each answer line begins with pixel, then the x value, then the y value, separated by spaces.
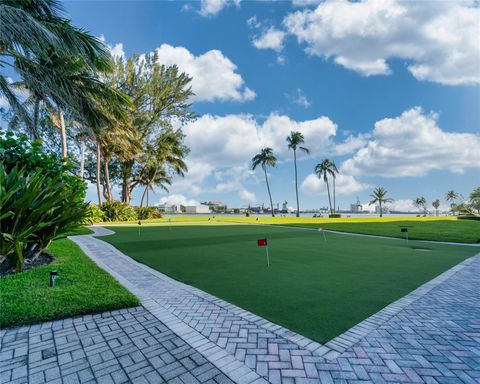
pixel 421 202
pixel 324 169
pixel 31 31
pixel 379 196
pixel 452 197
pixel 475 199
pixel 154 175
pixel 265 158
pixel 294 140
pixel 436 205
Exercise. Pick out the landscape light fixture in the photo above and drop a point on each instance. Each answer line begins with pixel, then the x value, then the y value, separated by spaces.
pixel 53 277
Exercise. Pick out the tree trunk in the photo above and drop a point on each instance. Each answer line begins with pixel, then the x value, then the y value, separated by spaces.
pixel 36 112
pixel 296 181
pixel 107 178
pixel 145 191
pixel 148 187
pixel 127 167
pixel 329 198
pixel 269 193
pixel 63 132
pixel 381 211
pixel 82 159
pixel 334 199
pixel 99 169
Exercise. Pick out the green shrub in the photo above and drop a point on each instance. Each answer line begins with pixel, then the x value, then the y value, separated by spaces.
pixel 147 213
pixel 334 215
pixel 35 208
pixel 18 151
pixel 468 217
pixel 93 214
pixel 117 211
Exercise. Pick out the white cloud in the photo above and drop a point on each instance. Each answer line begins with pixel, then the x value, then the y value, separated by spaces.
pixel 214 76
pixel 213 7
pixel 299 98
pixel 253 22
pixel 177 199
pixel 440 41
pixel 116 50
pixel 221 148
pixel 344 185
pixel 271 38
pixel 351 144
pixel 413 145
pixel 247 196
pixel 305 3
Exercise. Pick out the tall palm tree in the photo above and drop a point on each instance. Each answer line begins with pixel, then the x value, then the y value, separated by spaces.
pixel 379 196
pixel 32 30
pixel 421 202
pixel 436 205
pixel 294 140
pixel 452 197
pixel 265 159
pixel 154 176
pixel 323 170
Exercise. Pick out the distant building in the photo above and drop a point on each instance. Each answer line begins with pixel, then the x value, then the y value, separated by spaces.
pixel 384 209
pixel 358 207
pixel 216 205
pixel 194 209
pixel 166 208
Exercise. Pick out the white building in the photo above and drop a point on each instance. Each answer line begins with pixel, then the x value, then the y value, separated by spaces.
pixel 165 208
pixel 194 209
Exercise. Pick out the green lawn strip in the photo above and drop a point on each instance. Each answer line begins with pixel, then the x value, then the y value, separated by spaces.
pixel 316 288
pixel 81 288
pixel 441 230
pixel 80 230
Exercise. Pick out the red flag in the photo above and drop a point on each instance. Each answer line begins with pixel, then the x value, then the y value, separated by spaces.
pixel 262 242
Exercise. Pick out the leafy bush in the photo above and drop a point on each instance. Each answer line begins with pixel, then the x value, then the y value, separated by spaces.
pixel 93 214
pixel 468 217
pixel 18 151
pixel 117 211
pixel 334 215
pixel 146 213
pixel 35 208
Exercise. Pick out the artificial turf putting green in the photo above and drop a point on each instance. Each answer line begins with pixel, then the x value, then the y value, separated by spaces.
pixel 314 287
pixel 461 231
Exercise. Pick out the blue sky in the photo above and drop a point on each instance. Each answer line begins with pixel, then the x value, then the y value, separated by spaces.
pixel 389 91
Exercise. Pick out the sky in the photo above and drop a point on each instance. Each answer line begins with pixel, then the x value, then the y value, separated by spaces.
pixel 388 90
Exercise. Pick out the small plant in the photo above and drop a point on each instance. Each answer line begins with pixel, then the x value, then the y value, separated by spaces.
pixel 93 214
pixel 147 213
pixel 334 215
pixel 117 211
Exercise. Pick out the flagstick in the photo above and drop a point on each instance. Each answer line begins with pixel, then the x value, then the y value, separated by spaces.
pixel 268 258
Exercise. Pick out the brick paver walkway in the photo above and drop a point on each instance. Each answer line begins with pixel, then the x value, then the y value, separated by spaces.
pixel 432 335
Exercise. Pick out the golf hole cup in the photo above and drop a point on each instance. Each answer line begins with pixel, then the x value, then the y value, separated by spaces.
pixel 53 277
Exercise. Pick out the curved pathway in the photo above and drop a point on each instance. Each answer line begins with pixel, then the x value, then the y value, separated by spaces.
pixel 431 335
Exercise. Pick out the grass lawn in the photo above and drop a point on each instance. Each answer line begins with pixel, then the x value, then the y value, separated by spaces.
pixel 81 288
pixel 460 231
pixel 316 288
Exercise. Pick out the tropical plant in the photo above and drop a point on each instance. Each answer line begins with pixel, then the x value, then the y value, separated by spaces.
pixel 421 202
pixel 45 49
pixel 379 196
pixel 265 159
pixel 323 170
pixel 475 199
pixel 294 140
pixel 147 213
pixel 93 214
pixel 117 211
pixel 436 205
pixel 452 197
pixel 160 96
pixel 35 209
